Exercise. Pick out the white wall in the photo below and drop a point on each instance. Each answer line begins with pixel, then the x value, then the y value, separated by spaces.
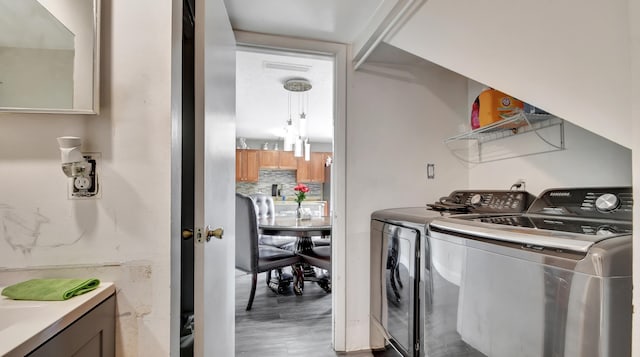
pixel 588 160
pixel 571 58
pixel 124 236
pixel 634 15
pixel 397 119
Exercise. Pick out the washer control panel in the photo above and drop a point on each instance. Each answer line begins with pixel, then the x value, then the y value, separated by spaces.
pixel 602 202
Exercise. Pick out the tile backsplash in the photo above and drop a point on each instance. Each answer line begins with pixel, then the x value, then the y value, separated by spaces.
pixel 286 178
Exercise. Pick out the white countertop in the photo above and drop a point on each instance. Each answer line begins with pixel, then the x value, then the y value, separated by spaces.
pixel 292 202
pixel 26 324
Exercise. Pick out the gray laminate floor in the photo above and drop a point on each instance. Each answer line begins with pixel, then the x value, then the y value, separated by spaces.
pixel 285 325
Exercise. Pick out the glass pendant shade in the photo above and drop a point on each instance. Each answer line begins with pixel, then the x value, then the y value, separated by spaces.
pixel 302 127
pixel 307 150
pixel 298 147
pixel 288 137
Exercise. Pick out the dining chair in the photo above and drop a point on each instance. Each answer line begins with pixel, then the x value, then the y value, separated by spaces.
pixel 265 208
pixel 251 256
pixel 319 257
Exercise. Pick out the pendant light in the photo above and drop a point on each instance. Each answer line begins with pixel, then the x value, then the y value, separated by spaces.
pixel 297 147
pixel 307 150
pixel 296 138
pixel 289 131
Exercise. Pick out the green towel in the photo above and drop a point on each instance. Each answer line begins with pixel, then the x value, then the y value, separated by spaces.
pixel 50 289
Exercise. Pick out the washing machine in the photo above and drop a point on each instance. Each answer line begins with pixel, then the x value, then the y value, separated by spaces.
pixel 554 281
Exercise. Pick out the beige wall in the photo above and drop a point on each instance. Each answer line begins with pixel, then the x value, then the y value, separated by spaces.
pixel 123 236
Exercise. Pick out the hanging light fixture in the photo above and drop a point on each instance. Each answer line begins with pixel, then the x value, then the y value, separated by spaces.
pixel 289 131
pixel 307 150
pixel 298 138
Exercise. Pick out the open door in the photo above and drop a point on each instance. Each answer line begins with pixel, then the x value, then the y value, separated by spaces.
pixel 214 201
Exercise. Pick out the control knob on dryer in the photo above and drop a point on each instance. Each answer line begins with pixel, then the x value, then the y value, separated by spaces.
pixel 476 199
pixel 607 202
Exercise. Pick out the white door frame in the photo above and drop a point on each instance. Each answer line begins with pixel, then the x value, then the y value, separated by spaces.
pixel 338 172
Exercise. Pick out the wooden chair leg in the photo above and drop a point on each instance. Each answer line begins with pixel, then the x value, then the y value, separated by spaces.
pixel 254 282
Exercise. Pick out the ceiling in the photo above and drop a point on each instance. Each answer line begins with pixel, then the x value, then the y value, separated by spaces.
pixel 262 103
pixel 328 20
pixel 261 100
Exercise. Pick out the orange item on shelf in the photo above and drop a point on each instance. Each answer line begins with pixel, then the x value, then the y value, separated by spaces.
pixel 495 104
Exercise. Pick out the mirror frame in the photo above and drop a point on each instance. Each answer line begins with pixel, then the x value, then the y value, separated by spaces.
pixel 95 107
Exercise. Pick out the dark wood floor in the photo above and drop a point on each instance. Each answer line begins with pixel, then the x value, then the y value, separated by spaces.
pixel 285 325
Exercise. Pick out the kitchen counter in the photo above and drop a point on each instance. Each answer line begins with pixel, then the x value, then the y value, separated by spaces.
pixel 26 324
pixel 288 208
pixel 290 200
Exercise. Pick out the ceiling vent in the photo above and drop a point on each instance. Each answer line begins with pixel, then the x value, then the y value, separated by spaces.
pixel 286 66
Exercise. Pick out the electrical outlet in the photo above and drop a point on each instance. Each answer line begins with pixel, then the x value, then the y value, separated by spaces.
pixel 82 183
pixel 87 187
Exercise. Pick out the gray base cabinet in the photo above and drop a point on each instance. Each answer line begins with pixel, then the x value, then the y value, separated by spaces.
pixel 92 335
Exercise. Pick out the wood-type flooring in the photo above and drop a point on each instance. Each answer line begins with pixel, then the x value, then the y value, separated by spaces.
pixel 285 324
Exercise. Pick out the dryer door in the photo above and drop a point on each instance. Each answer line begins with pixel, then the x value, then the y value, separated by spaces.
pixel 397 295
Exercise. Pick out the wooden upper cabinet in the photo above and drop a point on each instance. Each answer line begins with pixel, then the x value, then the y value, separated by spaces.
pixel 312 170
pixel 247 165
pixel 287 161
pixel 273 159
pixel 269 159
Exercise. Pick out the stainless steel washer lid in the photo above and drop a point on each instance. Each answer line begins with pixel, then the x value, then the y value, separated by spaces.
pixel 575 242
pixel 418 215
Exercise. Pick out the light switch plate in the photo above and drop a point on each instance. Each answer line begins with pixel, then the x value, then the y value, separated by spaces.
pixel 431 171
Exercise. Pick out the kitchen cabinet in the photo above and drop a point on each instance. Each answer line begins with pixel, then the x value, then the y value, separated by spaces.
pixel 247 165
pixel 312 170
pixel 273 159
pixel 269 159
pixel 287 161
pixel 91 335
pixel 520 135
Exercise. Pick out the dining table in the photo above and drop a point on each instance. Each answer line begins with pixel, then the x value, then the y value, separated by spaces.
pixel 303 230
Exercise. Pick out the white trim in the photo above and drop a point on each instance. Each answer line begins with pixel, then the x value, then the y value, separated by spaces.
pixel 176 174
pixel 338 250
pixel 390 15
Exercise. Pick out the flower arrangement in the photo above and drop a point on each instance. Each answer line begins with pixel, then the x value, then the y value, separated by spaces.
pixel 301 192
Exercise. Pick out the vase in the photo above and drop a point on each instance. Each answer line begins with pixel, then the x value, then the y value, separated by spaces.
pixel 298 212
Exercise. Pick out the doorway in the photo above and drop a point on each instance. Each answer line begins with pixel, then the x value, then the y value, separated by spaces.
pixel 338 52
pixel 265 114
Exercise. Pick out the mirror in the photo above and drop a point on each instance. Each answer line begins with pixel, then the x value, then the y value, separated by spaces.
pixel 49 56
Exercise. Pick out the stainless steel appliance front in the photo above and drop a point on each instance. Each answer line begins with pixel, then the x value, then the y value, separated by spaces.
pixel 553 282
pixel 400 254
pixel 396 288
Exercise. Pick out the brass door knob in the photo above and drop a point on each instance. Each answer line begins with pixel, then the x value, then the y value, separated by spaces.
pixel 218 232
pixel 187 234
